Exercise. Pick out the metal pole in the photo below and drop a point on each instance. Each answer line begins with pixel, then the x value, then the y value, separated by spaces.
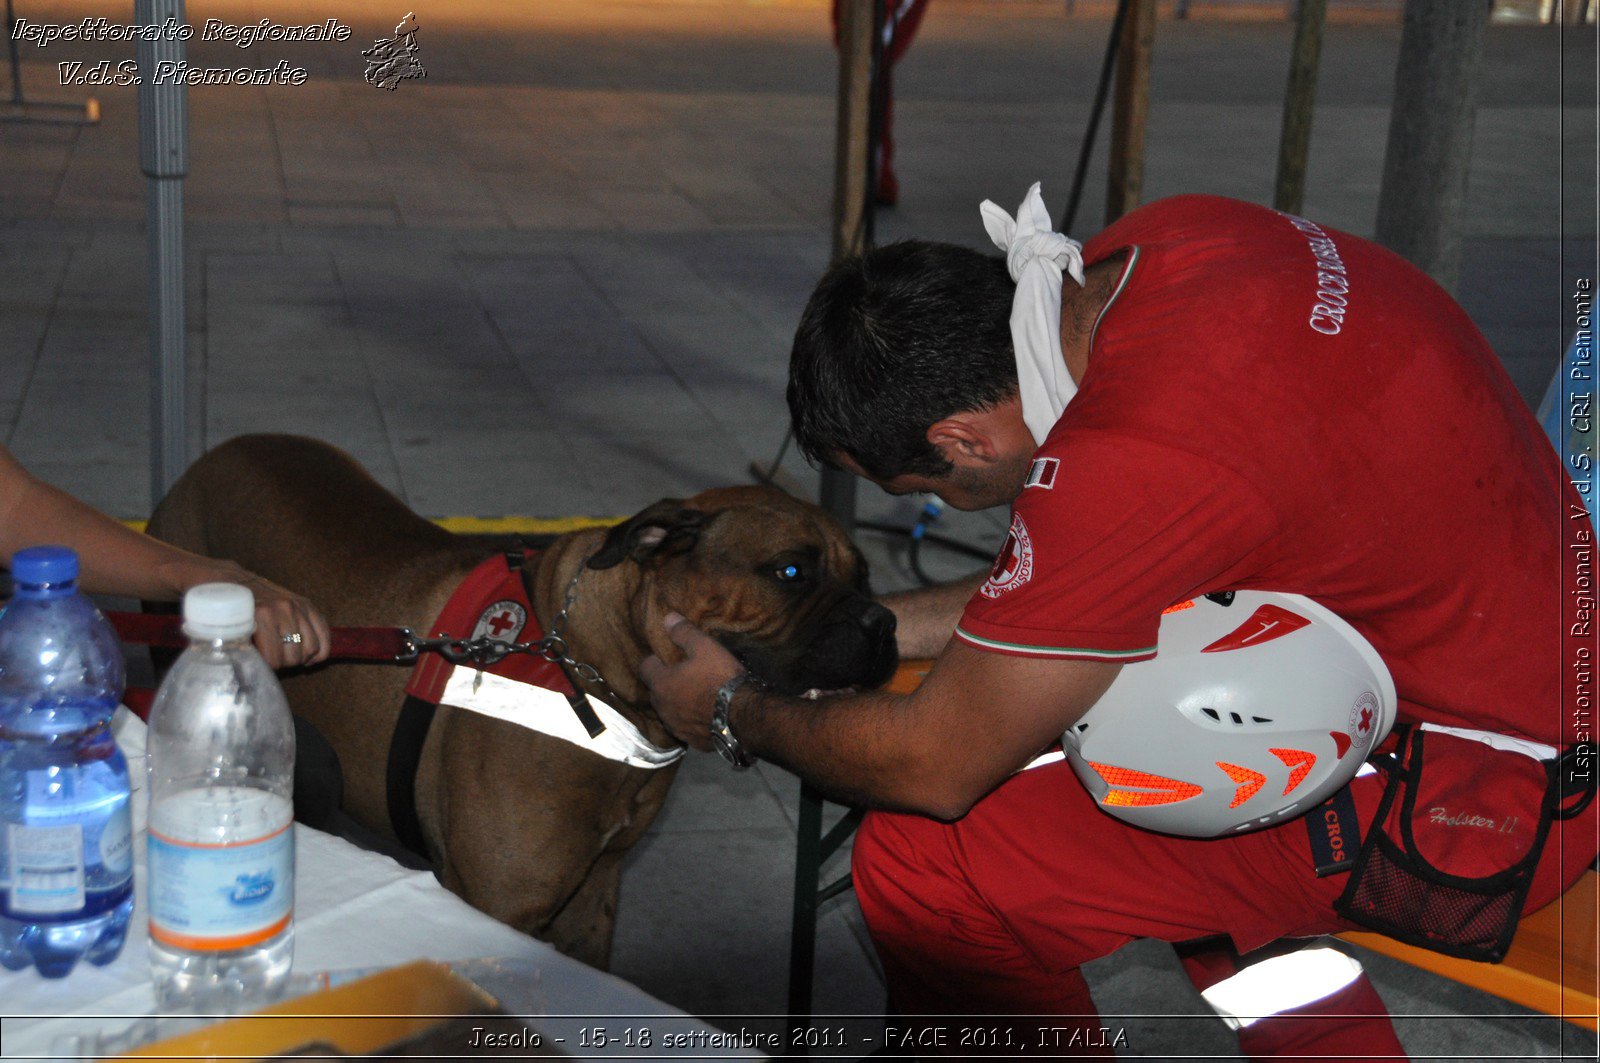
pixel 1294 145
pixel 851 185
pixel 164 158
pixel 1130 111
pixel 803 926
pixel 19 109
pixel 1424 186
pixel 1102 88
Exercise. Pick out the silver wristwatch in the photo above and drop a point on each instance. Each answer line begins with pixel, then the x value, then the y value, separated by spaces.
pixel 732 750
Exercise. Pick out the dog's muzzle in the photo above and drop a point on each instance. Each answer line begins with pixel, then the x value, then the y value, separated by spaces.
pixel 851 645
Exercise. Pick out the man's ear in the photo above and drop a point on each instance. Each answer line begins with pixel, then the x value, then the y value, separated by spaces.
pixel 964 440
pixel 658 531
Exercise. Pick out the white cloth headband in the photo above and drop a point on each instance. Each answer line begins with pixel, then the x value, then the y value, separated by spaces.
pixel 1037 256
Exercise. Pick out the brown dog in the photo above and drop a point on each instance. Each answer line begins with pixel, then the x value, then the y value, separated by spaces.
pixel 525 827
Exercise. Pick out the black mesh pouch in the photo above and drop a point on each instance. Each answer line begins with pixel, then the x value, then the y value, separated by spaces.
pixel 1449 858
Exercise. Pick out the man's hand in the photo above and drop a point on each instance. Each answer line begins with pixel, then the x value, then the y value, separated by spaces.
pixel 685 693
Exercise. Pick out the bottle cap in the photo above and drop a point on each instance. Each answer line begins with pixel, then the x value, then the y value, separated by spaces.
pixel 219 611
pixel 44 564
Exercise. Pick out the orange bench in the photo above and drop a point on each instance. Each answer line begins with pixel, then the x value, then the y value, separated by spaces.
pixel 1550 967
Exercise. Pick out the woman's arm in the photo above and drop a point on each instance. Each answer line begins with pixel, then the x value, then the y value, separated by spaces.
pixel 117 560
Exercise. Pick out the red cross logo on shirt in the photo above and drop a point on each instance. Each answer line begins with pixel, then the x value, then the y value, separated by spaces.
pixel 1014 566
pixel 1007 563
pixel 500 623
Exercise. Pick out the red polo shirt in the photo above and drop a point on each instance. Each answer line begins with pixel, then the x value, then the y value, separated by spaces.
pixel 1271 404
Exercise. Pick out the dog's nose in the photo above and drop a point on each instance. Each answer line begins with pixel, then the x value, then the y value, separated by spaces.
pixel 878 621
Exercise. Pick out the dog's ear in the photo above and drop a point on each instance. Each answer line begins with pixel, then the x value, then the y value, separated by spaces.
pixel 658 531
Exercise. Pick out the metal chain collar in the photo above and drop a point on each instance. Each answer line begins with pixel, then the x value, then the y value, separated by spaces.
pixel 485 651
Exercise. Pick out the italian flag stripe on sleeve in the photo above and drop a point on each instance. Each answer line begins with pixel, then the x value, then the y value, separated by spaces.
pixel 1053 651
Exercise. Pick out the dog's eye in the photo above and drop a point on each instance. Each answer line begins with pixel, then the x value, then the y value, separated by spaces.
pixel 789 573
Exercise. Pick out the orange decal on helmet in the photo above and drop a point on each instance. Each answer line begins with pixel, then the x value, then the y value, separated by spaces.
pixel 1298 761
pixel 1156 789
pixel 1250 782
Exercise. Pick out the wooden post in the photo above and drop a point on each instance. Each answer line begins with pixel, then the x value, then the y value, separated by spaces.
pixel 851 169
pixel 1130 111
pixel 1299 101
pixel 1424 187
pixel 852 127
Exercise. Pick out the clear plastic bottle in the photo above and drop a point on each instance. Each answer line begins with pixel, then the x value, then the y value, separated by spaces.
pixel 66 853
pixel 221 849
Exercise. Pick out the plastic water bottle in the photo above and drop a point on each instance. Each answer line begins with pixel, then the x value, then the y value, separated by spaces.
pixel 66 852
pixel 221 847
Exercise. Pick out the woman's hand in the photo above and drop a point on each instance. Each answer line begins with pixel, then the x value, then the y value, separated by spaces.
pixel 290 631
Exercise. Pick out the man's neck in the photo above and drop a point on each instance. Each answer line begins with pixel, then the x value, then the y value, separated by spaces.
pixel 1080 309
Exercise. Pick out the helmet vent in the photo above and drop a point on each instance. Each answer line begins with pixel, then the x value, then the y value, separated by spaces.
pixel 1233 717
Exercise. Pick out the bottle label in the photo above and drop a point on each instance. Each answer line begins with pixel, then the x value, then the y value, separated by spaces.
pixel 46 869
pixel 219 897
pixel 116 843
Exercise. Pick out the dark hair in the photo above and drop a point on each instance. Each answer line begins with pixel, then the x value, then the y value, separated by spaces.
pixel 893 341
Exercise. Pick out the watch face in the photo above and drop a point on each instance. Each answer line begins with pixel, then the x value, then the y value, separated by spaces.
pixel 729 746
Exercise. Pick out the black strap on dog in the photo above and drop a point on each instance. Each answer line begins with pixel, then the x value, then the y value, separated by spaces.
pixel 411 733
pixel 405 755
pixel 586 715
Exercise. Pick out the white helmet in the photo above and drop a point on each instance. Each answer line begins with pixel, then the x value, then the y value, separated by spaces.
pixel 1258 707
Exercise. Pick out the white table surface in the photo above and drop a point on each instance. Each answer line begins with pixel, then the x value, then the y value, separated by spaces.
pixel 353 909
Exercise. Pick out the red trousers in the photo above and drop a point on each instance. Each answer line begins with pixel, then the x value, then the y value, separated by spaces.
pixel 995 913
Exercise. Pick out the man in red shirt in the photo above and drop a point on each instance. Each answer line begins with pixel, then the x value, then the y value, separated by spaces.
pixel 1261 403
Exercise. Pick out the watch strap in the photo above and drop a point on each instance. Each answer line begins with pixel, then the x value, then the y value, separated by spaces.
pixel 722 736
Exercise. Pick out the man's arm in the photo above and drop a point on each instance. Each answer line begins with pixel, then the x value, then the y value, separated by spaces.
pixel 926 618
pixel 115 559
pixel 977 718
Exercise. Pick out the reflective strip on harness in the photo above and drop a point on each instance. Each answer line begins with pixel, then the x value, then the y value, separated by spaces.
pixel 1281 983
pixel 547 711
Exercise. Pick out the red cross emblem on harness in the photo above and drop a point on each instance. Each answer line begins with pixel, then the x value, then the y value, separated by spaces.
pixel 503 620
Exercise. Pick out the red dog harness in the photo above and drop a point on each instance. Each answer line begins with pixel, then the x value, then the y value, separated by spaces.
pixel 527 689
pixel 493 602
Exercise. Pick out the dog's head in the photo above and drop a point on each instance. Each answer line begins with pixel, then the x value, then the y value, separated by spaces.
pixel 773 579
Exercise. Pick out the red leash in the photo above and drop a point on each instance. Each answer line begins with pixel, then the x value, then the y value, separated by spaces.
pixel 396 645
